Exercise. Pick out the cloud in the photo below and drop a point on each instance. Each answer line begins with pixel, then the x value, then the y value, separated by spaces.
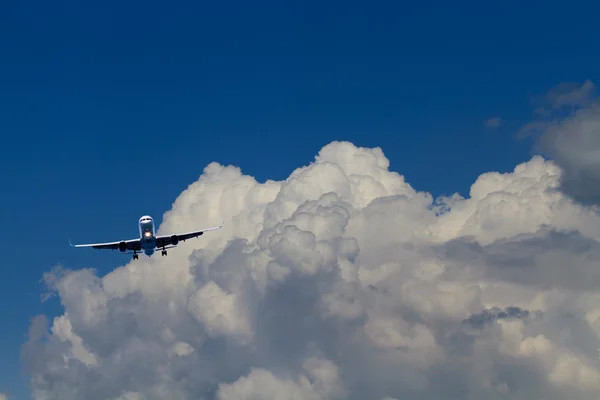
pixel 340 282
pixel 493 123
pixel 571 95
pixel 3 396
pixel 496 314
pixel 567 129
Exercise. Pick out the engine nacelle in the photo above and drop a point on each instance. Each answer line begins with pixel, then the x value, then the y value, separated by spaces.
pixel 174 240
pixel 123 246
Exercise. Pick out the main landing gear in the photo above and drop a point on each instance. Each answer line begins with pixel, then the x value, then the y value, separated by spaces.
pixel 135 256
pixel 163 252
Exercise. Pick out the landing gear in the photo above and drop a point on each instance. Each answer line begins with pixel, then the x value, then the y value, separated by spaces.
pixel 164 252
pixel 135 256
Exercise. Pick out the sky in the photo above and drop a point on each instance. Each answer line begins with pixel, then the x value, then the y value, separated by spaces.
pixel 109 111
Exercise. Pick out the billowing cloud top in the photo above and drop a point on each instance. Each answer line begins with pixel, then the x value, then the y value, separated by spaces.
pixel 341 282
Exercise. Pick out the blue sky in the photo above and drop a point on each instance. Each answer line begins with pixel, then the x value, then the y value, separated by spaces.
pixel 109 110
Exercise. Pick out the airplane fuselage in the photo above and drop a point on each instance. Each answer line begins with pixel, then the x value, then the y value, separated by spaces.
pixel 147 235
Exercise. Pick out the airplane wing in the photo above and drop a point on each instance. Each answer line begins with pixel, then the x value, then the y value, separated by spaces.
pixel 173 239
pixel 133 244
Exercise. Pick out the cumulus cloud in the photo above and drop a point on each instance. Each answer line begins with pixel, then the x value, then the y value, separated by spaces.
pixel 567 129
pixel 340 282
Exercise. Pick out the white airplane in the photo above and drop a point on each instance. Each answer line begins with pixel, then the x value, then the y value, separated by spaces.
pixel 148 241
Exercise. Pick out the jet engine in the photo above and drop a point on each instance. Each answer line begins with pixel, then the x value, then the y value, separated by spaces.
pixel 174 240
pixel 123 246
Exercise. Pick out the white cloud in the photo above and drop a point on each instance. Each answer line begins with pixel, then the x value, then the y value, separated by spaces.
pixel 567 129
pixel 320 380
pixel 341 282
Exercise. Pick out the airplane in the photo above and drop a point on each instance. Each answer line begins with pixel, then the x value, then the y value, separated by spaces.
pixel 148 241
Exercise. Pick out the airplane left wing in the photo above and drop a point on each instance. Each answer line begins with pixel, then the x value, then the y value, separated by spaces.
pixel 167 240
pixel 133 244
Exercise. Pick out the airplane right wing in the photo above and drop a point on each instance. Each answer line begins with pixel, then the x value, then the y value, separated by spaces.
pixel 166 240
pixel 123 245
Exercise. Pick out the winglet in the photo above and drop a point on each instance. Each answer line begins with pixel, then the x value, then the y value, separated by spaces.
pixel 71 244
